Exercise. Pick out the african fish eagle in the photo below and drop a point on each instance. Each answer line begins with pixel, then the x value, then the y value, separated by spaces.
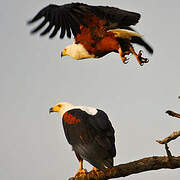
pixel 97 30
pixel 90 133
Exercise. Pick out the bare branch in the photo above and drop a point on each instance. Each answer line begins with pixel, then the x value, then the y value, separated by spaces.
pixel 173 114
pixel 171 137
pixel 142 165
pixel 168 152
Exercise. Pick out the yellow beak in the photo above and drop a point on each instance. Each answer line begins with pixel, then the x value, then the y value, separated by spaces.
pixel 63 53
pixel 54 109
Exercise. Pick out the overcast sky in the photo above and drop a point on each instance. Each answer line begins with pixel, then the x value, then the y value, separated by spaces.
pixel 33 78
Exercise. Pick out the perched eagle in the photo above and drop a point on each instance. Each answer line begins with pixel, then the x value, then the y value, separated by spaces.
pixel 90 133
pixel 97 30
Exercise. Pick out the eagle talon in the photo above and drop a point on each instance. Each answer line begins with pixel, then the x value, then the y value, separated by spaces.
pixel 96 172
pixel 141 59
pixel 95 169
pixel 125 60
pixel 144 60
pixel 80 172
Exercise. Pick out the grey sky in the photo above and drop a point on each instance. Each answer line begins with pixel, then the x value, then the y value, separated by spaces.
pixel 33 78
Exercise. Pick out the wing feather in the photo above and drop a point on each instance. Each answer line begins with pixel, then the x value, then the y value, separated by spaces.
pixel 96 128
pixel 47 29
pixel 63 27
pixel 73 24
pixel 122 17
pixel 91 136
pixel 70 17
pixel 40 26
pixel 56 29
pixel 105 131
pixel 67 26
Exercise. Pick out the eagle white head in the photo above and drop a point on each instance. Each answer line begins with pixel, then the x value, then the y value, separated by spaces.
pixel 61 108
pixel 76 51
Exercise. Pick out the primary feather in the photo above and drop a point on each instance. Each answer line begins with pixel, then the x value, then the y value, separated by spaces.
pixel 69 17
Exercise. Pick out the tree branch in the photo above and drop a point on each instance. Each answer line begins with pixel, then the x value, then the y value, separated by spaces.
pixel 166 140
pixel 168 152
pixel 171 137
pixel 142 165
pixel 173 114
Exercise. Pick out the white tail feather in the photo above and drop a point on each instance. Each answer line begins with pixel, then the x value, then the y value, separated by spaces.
pixel 124 33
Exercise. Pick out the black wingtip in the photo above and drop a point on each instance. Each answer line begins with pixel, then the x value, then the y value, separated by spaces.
pixel 33 20
pixel 33 31
pixel 29 22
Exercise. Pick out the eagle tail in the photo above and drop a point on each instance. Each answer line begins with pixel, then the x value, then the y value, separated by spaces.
pixel 102 165
pixel 140 41
pixel 108 163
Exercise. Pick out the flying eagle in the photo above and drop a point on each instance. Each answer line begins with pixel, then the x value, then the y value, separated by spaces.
pixel 97 30
pixel 90 133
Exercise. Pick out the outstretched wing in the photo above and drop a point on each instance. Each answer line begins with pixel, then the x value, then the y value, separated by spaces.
pixel 69 17
pixel 119 17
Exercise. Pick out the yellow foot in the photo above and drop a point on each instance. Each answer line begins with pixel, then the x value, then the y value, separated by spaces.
pixel 80 172
pixel 95 169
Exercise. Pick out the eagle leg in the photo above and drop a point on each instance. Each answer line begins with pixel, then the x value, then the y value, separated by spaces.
pixel 81 170
pixel 125 60
pixel 141 60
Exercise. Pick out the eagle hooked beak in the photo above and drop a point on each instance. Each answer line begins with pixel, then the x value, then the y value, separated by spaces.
pixel 63 53
pixel 54 109
pixel 51 110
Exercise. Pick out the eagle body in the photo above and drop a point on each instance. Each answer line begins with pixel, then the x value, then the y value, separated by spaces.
pixel 88 138
pixel 95 39
pixel 90 133
pixel 97 30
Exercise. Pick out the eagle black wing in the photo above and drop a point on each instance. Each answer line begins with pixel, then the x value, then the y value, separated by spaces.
pixel 69 17
pixel 105 131
pixel 116 16
pixel 91 136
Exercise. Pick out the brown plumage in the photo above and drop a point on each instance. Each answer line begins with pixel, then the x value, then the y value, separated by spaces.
pixel 95 38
